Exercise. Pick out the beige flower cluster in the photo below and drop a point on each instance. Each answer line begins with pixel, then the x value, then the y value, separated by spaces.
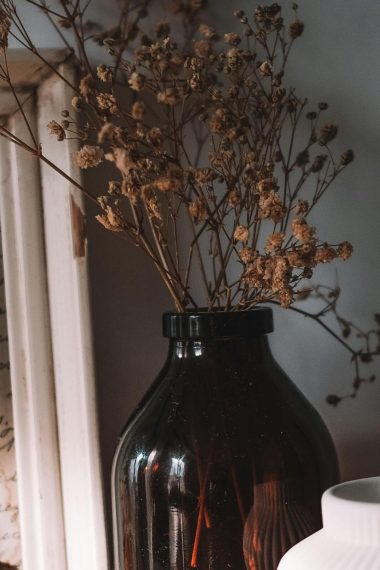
pixel 210 171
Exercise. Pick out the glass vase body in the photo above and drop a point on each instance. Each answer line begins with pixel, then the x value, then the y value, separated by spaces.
pixel 224 463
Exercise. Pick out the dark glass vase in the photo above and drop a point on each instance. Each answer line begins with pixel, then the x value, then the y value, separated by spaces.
pixel 224 463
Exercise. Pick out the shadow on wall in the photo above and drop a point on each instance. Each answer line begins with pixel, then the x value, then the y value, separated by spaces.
pixel 127 300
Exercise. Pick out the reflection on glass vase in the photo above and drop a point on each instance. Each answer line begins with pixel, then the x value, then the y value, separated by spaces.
pixel 279 518
pixel 224 462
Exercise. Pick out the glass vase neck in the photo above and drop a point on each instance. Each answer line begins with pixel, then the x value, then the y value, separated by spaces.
pixel 221 348
pixel 204 325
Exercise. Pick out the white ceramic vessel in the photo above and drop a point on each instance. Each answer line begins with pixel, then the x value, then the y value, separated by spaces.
pixel 350 538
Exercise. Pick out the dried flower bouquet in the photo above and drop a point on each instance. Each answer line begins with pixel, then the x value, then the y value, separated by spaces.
pixel 218 163
pixel 240 185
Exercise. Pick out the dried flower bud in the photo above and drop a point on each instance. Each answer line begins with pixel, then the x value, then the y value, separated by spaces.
pixel 270 206
pixel 234 60
pixel 274 241
pixel 345 250
pixel 347 157
pixel 286 297
pixel 274 9
pixel 65 113
pixel 333 400
pixel 218 121
pixel 308 247
pixel 323 106
pixel 171 182
pixel 311 115
pixel 155 137
pixel 111 220
pixel 104 73
pixel 278 23
pixel 107 102
pixel 203 175
pixel 327 133
pixel 346 329
pixel 114 187
pixel 241 233
pixel 88 156
pixel 325 254
pixel 302 207
pixel 236 133
pixel 136 81
pixel 234 198
pixel 232 39
pixel 208 32
pixel 106 132
pixel 247 255
pixel 266 185
pixel 318 163
pixel 57 130
pixel 169 96
pixel 278 94
pixel 86 85
pixel 76 103
pixel 138 111
pixel 301 230
pixel 302 158
pixel 130 191
pixel 260 14
pixel 202 48
pixel 265 14
pixel 152 204
pixel 266 69
pixel 198 211
pixel 295 29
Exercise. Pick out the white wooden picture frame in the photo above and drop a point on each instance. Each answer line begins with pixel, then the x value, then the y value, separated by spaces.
pixel 62 521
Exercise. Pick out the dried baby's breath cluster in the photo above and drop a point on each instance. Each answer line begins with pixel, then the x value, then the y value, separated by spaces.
pixel 217 162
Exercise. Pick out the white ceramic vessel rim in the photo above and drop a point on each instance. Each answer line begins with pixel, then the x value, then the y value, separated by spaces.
pixel 364 492
pixel 351 512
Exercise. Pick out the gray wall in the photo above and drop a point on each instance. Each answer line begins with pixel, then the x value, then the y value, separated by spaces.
pixel 337 60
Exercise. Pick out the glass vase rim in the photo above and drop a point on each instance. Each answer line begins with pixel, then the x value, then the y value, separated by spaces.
pixel 202 323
